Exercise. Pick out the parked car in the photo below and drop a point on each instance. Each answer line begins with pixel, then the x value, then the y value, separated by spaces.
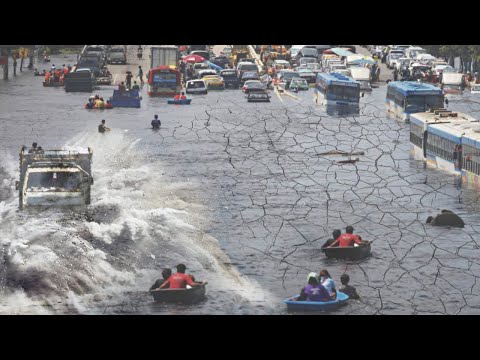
pixel 249 75
pixel 231 79
pixel 393 58
pixel 208 72
pixel 253 84
pixel 196 87
pixel 258 96
pixel 199 67
pixel 117 55
pixel 308 75
pixel 95 50
pixel 221 60
pixel 285 76
pixel 214 82
pixel 298 84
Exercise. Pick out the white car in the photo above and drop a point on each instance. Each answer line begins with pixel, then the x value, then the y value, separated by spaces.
pixel 196 87
pixel 475 89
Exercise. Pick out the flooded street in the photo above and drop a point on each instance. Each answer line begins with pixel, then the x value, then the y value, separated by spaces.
pixel 242 193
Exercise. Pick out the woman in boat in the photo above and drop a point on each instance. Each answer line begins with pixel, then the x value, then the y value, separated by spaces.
pixel 327 281
pixel 314 291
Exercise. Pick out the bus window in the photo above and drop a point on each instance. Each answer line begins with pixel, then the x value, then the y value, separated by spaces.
pixel 415 104
pixel 433 102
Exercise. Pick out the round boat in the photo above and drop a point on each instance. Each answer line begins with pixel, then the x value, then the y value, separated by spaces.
pixel 349 252
pixel 293 305
pixel 183 296
pixel 179 102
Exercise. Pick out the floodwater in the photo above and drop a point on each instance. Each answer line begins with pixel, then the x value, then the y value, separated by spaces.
pixel 239 192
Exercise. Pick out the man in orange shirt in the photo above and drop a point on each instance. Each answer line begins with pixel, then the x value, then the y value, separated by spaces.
pixel 183 97
pixel 177 97
pixel 47 77
pixel 180 280
pixel 348 239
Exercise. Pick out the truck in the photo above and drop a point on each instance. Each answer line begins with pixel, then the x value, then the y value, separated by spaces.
pixel 54 177
pixel 165 55
pixel 239 52
pixel 80 80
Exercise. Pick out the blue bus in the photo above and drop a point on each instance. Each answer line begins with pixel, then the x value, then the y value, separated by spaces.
pixel 336 89
pixel 438 138
pixel 409 97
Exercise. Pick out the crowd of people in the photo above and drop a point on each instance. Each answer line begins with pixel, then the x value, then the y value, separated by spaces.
pixel 56 75
pixel 97 102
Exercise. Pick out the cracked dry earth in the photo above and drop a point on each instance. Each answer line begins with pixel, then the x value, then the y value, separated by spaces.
pixel 276 198
pixel 273 196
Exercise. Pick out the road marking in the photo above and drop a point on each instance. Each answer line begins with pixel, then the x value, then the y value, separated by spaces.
pixel 290 94
pixel 278 94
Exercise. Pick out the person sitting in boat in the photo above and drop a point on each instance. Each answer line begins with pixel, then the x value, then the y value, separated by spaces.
pixel 314 291
pixel 90 104
pixel 135 86
pixel 348 289
pixel 446 218
pixel 327 281
pixel 166 273
pixel 177 97
pixel 348 239
pixel 108 105
pixel 336 234
pixel 180 280
pixel 122 87
pixel 47 77
pixel 183 97
pixel 99 104
pixel 156 123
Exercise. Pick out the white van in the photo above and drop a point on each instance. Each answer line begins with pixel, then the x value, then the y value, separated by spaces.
pixel 196 87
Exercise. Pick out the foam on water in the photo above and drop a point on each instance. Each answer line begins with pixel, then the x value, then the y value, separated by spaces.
pixel 82 261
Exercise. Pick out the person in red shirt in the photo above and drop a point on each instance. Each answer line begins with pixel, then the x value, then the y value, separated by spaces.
pixel 183 97
pixel 347 239
pixel 177 97
pixel 180 280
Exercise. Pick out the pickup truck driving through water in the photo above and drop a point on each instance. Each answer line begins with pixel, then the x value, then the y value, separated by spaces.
pixel 54 177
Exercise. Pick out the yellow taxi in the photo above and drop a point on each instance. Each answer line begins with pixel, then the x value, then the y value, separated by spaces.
pixel 214 82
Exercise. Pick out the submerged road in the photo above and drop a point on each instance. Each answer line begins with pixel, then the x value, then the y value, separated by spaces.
pixel 244 194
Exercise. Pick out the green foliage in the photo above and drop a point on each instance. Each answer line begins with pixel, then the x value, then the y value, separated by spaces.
pixel 465 51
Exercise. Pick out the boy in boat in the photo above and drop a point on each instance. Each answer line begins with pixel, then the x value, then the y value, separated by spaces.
pixel 183 97
pixel 90 104
pixel 347 239
pixel 177 97
pixel 336 234
pixel 180 280
pixel 314 291
pixel 348 289
pixel 121 87
pixel 166 273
